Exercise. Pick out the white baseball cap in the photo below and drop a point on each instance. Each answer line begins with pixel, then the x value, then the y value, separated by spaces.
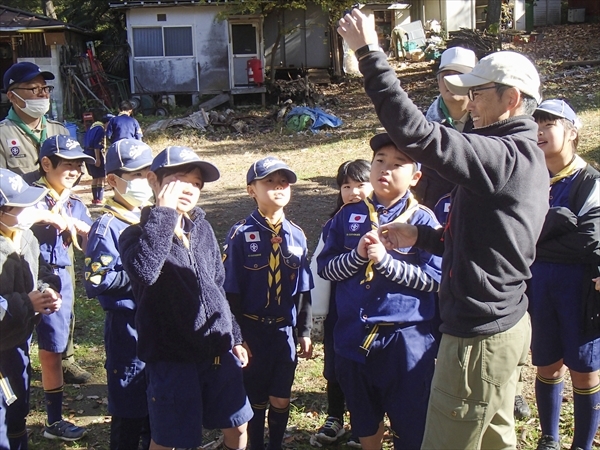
pixel 459 59
pixel 508 68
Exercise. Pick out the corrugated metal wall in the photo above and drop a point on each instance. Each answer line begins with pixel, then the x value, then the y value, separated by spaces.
pixel 546 12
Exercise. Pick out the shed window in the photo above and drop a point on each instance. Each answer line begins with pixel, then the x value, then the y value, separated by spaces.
pixel 161 17
pixel 149 41
pixel 178 41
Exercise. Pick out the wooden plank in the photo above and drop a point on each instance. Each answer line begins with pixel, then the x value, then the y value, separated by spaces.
pixel 592 62
pixel 214 102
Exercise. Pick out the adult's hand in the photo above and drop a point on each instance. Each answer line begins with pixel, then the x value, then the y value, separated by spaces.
pixel 306 347
pixel 398 235
pixel 357 30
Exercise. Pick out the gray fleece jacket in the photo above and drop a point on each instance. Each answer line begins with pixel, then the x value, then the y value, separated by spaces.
pixel 21 271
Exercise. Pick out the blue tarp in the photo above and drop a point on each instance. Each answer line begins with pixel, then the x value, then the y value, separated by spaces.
pixel 319 117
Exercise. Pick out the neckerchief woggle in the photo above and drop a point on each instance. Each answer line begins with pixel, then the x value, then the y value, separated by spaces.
pixel 57 204
pixel 411 206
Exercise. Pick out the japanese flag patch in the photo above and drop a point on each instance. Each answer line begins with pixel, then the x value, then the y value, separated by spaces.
pixel 357 218
pixel 15 147
pixel 252 236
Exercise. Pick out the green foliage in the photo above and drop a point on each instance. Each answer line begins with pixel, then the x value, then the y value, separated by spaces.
pixel 34 6
pixel 265 7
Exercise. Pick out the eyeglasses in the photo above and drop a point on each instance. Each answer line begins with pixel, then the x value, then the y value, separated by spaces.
pixel 473 90
pixel 38 90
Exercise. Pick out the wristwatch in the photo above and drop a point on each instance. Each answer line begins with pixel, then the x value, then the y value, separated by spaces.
pixel 365 50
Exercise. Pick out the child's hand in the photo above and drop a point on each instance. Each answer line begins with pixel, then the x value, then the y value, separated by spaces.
pixel 45 302
pixel 375 251
pixel 169 194
pixel 56 220
pixel 247 347
pixel 306 347
pixel 81 228
pixel 363 244
pixel 241 353
pixel 597 281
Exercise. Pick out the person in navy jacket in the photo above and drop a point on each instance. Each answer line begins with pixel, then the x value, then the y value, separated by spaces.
pixel 563 302
pixel 123 126
pixel 385 349
pixel 63 223
pixel 127 164
pixel 268 283
pixel 187 336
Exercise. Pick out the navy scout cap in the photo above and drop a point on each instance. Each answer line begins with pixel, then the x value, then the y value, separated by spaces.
pixel 560 108
pixel 180 156
pixel 23 72
pixel 15 192
pixel 128 155
pixel 383 139
pixel 266 166
pixel 64 147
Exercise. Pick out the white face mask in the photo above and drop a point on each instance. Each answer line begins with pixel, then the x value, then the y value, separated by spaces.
pixel 137 192
pixel 25 219
pixel 34 107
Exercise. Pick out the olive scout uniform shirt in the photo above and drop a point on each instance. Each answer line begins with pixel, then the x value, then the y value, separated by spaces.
pixel 18 151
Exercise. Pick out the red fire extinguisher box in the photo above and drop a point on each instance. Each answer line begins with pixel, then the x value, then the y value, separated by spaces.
pixel 255 71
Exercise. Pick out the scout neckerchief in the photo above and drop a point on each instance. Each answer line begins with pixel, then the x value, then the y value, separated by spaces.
pixel 100 124
pixel 12 115
pixel 58 203
pixel 411 205
pixel 446 112
pixel 14 237
pixel 180 231
pixel 120 212
pixel 576 164
pixel 274 276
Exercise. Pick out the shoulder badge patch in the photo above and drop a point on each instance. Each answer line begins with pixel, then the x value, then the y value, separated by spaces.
pixel 357 218
pixel 252 236
pixel 15 147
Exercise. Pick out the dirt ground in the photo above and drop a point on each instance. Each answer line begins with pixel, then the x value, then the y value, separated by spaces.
pixel 315 158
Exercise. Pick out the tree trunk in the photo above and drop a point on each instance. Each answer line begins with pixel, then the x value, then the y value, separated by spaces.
pixel 494 11
pixel 276 45
pixel 48 8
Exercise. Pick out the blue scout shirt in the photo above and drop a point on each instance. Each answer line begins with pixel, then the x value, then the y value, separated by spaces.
pixel 402 289
pixel 247 250
pixel 105 277
pixel 54 245
pixel 123 127
pixel 442 209
pixel 94 139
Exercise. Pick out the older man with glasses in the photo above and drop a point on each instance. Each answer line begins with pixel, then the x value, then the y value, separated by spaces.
pixel 26 127
pixel 497 213
pixel 21 136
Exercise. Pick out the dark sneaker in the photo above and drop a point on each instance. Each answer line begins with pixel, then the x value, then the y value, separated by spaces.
pixel 331 430
pixel 353 442
pixel 547 443
pixel 522 410
pixel 74 374
pixel 64 430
